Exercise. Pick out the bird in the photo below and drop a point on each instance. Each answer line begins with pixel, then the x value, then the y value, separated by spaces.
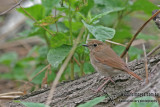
pixel 106 62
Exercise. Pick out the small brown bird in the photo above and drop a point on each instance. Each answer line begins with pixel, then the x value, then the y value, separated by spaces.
pixel 106 61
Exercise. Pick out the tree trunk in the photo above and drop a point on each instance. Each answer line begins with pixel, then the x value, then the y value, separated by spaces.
pixel 73 93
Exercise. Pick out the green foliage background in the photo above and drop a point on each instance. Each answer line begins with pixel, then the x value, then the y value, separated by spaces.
pixel 103 19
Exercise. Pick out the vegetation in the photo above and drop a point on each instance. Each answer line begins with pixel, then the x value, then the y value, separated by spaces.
pixel 59 22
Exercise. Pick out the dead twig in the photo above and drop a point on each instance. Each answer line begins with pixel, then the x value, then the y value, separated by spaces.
pixel 11 8
pixel 64 65
pixel 139 30
pixel 40 71
pixel 10 95
pixel 154 50
pixel 115 43
pixel 145 62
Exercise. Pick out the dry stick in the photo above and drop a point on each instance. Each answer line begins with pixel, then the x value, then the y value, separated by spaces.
pixel 11 8
pixel 154 50
pixel 115 43
pixel 40 71
pixel 134 37
pixel 145 61
pixel 8 97
pixel 12 93
pixel 61 70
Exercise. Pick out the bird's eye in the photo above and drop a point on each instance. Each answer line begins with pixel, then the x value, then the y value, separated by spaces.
pixel 94 45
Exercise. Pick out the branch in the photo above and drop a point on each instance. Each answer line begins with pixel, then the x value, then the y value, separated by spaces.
pixel 63 67
pixel 140 29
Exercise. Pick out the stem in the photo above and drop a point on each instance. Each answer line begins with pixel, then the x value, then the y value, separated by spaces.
pixel 72 68
pixel 81 68
pixel 71 39
pixel 36 20
pixel 63 67
pixel 47 40
pixel 70 22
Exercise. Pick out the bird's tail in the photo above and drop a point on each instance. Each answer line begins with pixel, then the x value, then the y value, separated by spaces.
pixel 133 74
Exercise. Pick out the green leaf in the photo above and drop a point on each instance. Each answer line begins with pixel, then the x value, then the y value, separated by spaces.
pixel 75 25
pixel 87 8
pixel 49 5
pixel 61 27
pixel 93 102
pixel 134 53
pixel 57 55
pixel 122 33
pixel 144 5
pixel 59 39
pixel 100 32
pixel 109 10
pixel 9 58
pixel 18 73
pixel 47 21
pixel 36 11
pixel 146 101
pixel 31 104
pixel 147 37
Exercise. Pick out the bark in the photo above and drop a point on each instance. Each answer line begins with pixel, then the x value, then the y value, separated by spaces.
pixel 73 93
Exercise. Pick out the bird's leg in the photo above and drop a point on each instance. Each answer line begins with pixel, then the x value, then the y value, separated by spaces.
pixel 106 78
pixel 106 81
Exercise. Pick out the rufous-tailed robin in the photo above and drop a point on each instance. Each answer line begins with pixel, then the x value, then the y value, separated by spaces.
pixel 106 61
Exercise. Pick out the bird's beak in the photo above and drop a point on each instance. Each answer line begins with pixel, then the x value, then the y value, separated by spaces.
pixel 85 45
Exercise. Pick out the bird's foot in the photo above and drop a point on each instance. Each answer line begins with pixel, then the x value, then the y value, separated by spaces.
pixel 101 86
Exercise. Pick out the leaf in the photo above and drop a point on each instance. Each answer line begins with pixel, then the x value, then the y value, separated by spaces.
pixel 100 32
pixel 87 8
pixel 134 53
pixel 109 10
pixel 146 101
pixel 31 104
pixel 49 4
pixel 61 27
pixel 93 102
pixel 75 25
pixel 36 11
pixel 57 55
pixel 47 21
pixel 144 5
pixel 147 37
pixel 8 58
pixel 122 33
pixel 59 39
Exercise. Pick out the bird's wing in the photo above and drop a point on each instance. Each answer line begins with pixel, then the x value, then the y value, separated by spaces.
pixel 110 58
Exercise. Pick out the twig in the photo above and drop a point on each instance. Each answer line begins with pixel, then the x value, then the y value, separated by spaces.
pixel 127 57
pixel 12 93
pixel 11 8
pixel 35 20
pixel 154 50
pixel 115 43
pixel 61 70
pixel 76 61
pixel 56 21
pixel 40 71
pixel 8 97
pixel 134 37
pixel 145 61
